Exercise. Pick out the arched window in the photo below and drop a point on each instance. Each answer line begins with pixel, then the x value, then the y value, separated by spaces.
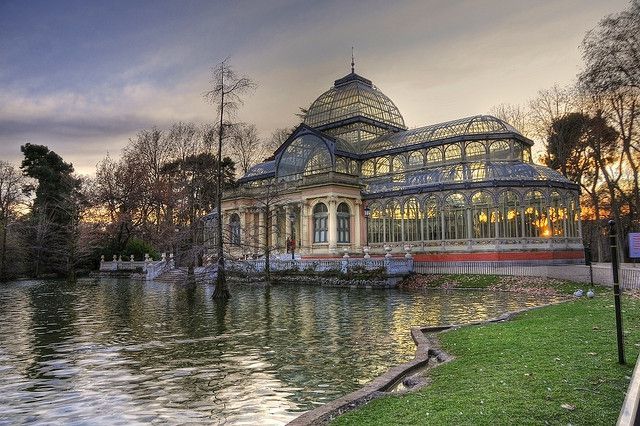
pixel 234 225
pixel 382 166
pixel 416 159
pixel 452 153
pixel 393 222
pixel 475 151
pixel 510 215
pixel 557 215
pixel 344 223
pixel 398 168
pixel 431 222
pixel 483 218
pixel 454 212
pixel 499 150
pixel 536 223
pixel 526 155
pixel 573 215
pixel 412 219
pixel 376 224
pixel 320 219
pixel 368 168
pixel 434 155
pixel 342 165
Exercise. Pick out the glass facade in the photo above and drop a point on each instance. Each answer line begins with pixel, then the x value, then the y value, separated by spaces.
pixel 459 184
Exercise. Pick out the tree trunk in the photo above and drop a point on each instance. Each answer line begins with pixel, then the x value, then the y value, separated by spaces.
pixel 3 257
pixel 220 292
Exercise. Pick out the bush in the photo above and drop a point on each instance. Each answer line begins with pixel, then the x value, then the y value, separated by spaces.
pixel 138 248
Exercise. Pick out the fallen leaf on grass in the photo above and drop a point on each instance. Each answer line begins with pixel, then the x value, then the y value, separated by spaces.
pixel 592 353
pixel 569 407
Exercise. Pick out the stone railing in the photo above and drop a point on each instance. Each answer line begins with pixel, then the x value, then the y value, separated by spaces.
pixel 392 265
pixel 149 268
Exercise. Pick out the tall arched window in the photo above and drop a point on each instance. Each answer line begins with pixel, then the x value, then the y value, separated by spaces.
pixel 344 223
pixel 342 165
pixel 557 215
pixel 452 153
pixel 234 225
pixel 393 222
pixel 431 223
pixel 412 220
pixel 376 225
pixel 536 223
pixel 573 214
pixel 320 227
pixel 483 217
pixel 454 212
pixel 475 151
pixel 510 216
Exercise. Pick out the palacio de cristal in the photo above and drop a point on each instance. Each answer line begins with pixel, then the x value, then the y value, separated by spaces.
pixel 353 179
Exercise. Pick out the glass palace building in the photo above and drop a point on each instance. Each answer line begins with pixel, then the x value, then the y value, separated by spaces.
pixel 352 176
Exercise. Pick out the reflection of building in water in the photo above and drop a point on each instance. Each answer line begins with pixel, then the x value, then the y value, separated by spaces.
pixel 352 174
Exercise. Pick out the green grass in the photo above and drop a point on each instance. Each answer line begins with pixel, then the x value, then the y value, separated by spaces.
pixel 523 371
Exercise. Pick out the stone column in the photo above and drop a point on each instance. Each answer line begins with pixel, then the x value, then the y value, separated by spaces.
pixel 274 228
pixel 333 225
pixel 261 238
pixel 357 231
pixel 304 242
pixel 242 212
pixel 287 228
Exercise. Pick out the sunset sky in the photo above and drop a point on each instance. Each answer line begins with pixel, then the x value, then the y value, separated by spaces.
pixel 84 76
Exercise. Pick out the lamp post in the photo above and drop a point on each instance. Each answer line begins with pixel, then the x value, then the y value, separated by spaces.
pixel 616 289
pixel 292 218
pixel 367 213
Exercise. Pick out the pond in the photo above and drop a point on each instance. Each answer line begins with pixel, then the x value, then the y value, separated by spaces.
pixel 121 352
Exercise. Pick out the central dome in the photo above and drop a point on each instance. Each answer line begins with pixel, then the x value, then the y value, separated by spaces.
pixel 354 99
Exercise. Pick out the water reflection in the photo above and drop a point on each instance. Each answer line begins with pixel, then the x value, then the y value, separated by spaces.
pixel 121 352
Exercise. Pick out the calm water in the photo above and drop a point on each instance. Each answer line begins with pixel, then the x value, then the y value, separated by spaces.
pixel 121 352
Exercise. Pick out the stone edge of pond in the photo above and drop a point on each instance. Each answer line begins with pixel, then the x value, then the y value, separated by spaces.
pixel 426 349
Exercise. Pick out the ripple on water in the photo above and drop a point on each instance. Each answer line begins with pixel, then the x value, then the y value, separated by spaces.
pixel 134 353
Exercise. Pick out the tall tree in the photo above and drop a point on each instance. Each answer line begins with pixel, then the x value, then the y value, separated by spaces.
pixel 226 93
pixel 54 213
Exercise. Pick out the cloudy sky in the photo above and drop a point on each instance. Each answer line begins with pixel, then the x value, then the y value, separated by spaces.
pixel 84 76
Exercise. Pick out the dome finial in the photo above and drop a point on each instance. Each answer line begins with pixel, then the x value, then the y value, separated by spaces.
pixel 353 62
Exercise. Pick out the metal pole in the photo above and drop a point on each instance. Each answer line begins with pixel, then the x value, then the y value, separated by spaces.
pixel 616 289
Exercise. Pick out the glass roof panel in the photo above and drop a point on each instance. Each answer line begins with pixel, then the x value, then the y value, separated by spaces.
pixel 478 124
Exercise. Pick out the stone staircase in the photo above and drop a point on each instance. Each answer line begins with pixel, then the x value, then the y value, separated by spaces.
pixel 179 275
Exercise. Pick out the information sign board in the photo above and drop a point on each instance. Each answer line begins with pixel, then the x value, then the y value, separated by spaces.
pixel 634 244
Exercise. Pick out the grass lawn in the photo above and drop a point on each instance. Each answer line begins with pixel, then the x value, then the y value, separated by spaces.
pixel 554 365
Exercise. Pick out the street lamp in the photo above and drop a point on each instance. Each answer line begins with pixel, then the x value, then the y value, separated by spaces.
pixel 292 219
pixel 367 213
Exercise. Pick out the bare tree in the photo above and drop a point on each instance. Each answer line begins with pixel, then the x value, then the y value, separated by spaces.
pixel 278 137
pixel 246 148
pixel 611 52
pixel 226 94
pixel 515 115
pixel 549 106
pixel 11 196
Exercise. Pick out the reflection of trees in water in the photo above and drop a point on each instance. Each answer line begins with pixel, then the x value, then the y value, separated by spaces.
pixel 267 350
pixel 53 329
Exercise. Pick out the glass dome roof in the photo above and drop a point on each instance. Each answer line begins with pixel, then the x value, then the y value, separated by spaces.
pixel 353 96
